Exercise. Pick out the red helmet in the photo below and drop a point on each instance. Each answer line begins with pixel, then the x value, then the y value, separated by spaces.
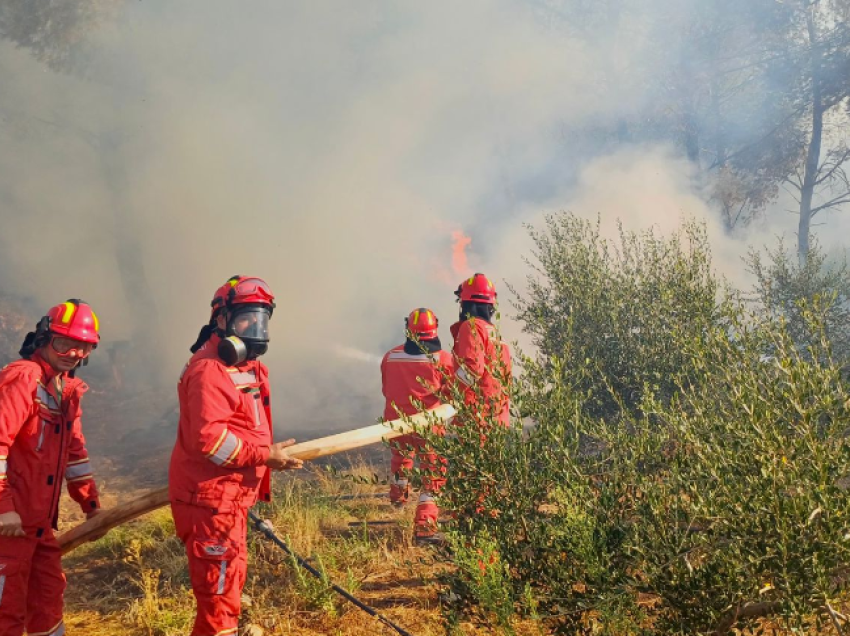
pixel 422 323
pixel 74 319
pixel 240 290
pixel 477 288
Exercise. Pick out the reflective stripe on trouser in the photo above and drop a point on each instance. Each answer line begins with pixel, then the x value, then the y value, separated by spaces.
pixel 217 551
pixel 32 586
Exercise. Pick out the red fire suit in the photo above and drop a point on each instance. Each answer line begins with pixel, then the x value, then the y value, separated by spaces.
pixel 217 473
pixel 41 442
pixel 403 375
pixel 483 361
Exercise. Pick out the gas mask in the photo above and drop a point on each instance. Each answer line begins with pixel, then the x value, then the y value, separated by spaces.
pixel 246 336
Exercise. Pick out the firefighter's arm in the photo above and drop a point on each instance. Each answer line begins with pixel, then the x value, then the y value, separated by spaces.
pixel 447 370
pixel 16 402
pixel 210 409
pixel 470 358
pixel 78 473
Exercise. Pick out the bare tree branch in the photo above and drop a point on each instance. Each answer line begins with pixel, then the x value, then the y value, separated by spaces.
pixel 839 200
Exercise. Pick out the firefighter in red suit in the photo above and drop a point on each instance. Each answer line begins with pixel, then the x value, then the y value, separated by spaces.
pixel 221 460
pixel 482 360
pixel 41 443
pixel 415 376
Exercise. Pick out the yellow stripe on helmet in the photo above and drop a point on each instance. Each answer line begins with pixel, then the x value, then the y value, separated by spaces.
pixel 96 322
pixel 416 317
pixel 67 313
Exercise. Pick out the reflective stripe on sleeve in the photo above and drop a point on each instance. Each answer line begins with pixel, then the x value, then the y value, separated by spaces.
pixel 226 449
pixel 78 470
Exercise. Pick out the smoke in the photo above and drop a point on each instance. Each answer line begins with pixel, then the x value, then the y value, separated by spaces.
pixel 333 149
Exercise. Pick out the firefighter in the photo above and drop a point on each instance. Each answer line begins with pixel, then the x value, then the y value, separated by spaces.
pixel 42 443
pixel 482 361
pixel 223 453
pixel 415 375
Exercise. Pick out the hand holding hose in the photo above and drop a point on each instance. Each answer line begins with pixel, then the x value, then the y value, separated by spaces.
pixel 279 459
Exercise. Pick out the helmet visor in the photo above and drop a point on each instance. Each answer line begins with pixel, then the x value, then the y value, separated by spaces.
pixel 253 287
pixel 249 322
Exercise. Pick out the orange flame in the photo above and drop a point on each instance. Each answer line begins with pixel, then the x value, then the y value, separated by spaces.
pixel 460 241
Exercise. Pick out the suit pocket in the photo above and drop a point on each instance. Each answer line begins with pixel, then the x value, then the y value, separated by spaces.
pixel 11 570
pixel 212 567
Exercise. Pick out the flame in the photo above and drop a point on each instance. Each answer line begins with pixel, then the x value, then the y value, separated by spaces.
pixel 460 241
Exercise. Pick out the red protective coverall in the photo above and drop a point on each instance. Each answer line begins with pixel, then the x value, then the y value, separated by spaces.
pixel 41 442
pixel 482 360
pixel 217 473
pixel 402 377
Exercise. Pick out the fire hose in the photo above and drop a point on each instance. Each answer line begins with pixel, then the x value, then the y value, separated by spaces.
pixel 341 442
pixel 268 531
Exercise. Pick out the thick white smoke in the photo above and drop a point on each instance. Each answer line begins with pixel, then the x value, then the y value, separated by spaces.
pixel 331 148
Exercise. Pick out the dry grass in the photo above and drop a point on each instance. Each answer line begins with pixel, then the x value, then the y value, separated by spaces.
pixel 134 581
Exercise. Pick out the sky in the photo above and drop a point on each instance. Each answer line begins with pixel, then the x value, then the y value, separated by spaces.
pixel 338 150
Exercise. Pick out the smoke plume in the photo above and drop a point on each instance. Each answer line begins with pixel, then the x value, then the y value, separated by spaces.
pixel 334 149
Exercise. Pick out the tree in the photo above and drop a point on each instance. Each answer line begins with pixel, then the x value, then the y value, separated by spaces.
pixel 789 290
pixel 719 497
pixel 823 81
pixel 57 33
pixel 751 92
pixel 620 309
pixel 54 31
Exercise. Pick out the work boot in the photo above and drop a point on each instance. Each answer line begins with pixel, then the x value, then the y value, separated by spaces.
pixel 435 539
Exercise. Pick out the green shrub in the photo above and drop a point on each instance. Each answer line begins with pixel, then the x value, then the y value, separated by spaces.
pixel 651 494
pixel 786 289
pixel 618 311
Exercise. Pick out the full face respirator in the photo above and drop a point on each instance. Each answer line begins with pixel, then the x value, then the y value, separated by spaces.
pixel 246 335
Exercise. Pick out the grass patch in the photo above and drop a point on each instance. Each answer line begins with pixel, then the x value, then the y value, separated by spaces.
pixel 136 577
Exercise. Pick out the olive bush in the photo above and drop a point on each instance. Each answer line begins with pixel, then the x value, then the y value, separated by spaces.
pixel 650 495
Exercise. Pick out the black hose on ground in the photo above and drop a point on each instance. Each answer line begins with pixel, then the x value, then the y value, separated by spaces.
pixel 267 530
